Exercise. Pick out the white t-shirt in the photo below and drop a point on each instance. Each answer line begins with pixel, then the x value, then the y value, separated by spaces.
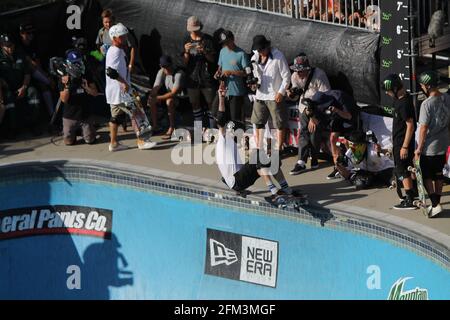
pixel 228 159
pixel 116 59
pixel 319 82
pixel 373 163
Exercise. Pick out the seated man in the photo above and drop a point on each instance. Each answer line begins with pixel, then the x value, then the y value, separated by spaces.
pixel 170 80
pixel 236 175
pixel 336 112
pixel 75 90
pixel 365 164
pixel 16 72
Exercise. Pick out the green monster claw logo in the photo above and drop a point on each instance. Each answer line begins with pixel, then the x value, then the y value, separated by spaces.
pixel 388 110
pixel 397 292
pixel 386 40
pixel 386 63
pixel 386 16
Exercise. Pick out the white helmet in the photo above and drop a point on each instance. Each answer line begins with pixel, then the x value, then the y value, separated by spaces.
pixel 117 30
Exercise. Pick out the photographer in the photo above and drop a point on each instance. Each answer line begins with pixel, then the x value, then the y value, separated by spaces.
pixel 232 64
pixel 16 72
pixel 307 81
pixel 199 58
pixel 75 90
pixel 335 111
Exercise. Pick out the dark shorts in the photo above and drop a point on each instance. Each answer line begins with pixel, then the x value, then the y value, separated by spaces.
pixel 432 167
pixel 401 166
pixel 246 177
pixel 234 108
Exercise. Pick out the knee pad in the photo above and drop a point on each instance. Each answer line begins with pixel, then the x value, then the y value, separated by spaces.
pixel 401 173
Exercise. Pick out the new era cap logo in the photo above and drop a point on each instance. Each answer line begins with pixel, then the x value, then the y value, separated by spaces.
pixel 221 254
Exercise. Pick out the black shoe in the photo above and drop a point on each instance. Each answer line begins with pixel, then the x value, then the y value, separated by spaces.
pixel 299 168
pixel 405 205
pixel 314 164
pixel 333 174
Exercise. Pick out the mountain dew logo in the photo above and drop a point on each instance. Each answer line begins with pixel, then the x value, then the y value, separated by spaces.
pixel 397 292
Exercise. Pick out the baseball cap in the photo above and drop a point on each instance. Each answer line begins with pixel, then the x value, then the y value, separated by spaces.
pixel 74 56
pixel 165 61
pixel 225 36
pixel 194 24
pixel 26 27
pixel 322 100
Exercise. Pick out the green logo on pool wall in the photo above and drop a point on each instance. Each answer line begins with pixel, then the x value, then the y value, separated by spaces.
pixel 386 40
pixel 386 16
pixel 397 292
pixel 386 63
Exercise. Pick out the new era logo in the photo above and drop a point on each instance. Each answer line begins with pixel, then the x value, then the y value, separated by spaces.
pixel 220 254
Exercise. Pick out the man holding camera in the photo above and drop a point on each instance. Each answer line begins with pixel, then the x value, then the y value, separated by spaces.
pixel 335 111
pixel 307 81
pixel 272 71
pixel 75 89
pixel 24 99
pixel 232 64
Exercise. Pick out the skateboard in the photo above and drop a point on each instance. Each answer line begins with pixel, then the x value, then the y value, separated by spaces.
pixel 135 110
pixel 422 202
pixel 289 201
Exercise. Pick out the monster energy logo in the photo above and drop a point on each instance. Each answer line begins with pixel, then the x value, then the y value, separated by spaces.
pixel 397 292
pixel 386 63
pixel 386 16
pixel 386 40
pixel 388 110
pixel 387 85
pixel 426 78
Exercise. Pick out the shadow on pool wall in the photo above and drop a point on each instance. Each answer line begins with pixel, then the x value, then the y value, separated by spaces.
pixel 53 266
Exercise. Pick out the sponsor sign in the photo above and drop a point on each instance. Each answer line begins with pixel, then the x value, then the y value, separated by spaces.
pixel 239 257
pixel 398 292
pixel 59 219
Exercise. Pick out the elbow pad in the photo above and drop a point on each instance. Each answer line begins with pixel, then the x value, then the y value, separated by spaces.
pixel 112 73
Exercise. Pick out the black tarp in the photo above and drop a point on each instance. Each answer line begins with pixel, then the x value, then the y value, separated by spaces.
pixel 348 56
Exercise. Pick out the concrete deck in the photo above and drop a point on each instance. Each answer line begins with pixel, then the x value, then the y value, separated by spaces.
pixel 335 195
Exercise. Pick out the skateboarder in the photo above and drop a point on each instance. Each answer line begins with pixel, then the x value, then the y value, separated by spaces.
pixel 433 139
pixel 403 131
pixel 118 86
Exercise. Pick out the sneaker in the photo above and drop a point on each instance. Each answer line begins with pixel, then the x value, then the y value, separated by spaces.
pixel 314 164
pixel 117 147
pixel 333 174
pixel 299 168
pixel 405 205
pixel 435 211
pixel 146 145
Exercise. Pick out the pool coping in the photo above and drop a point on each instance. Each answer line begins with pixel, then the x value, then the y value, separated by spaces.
pixel 358 219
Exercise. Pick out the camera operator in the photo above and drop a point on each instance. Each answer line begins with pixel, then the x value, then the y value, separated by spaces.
pixel 307 81
pixel 16 72
pixel 272 70
pixel 335 111
pixel 232 64
pixel 199 57
pixel 76 87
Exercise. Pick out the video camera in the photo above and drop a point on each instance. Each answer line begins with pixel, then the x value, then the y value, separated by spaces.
pixel 250 80
pixel 310 106
pixel 296 92
pixel 59 67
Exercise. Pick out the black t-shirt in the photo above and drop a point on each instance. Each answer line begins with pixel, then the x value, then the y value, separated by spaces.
pixel 13 69
pixel 200 72
pixel 403 110
pixel 77 108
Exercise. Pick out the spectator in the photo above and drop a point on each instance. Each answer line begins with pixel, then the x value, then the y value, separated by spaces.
pixel 40 80
pixel 170 80
pixel 335 111
pixel 364 165
pixel 232 64
pixel 403 132
pixel 75 90
pixel 118 86
pixel 16 72
pixel 433 140
pixel 199 58
pixel 307 81
pixel 104 42
pixel 272 71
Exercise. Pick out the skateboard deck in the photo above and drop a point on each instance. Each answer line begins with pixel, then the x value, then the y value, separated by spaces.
pixel 135 111
pixel 422 202
pixel 288 201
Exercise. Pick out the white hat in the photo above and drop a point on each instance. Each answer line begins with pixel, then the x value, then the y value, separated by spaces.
pixel 117 30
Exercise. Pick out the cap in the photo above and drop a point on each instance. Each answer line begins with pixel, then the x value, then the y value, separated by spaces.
pixel 225 36
pixel 117 30
pixel 26 27
pixel 260 42
pixel 194 24
pixel 74 56
pixel 5 40
pixel 322 100
pixel 165 61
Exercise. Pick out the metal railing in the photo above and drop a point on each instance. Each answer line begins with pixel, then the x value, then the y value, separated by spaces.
pixel 361 14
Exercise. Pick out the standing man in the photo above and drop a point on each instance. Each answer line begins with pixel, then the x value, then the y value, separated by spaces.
pixel 403 131
pixel 199 57
pixel 119 86
pixel 306 82
pixel 433 139
pixel 272 71
pixel 232 64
